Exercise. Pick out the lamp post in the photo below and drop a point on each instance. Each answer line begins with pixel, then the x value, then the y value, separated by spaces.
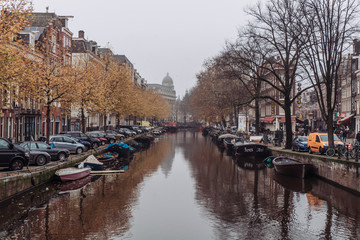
pixel 311 115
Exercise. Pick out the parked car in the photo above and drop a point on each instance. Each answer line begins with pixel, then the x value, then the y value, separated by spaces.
pixel 109 139
pixel 156 132
pixel 137 129
pixel 102 140
pixel 132 128
pixel 85 143
pixel 61 141
pixel 11 156
pixel 117 135
pixel 39 158
pixel 55 153
pixel 95 142
pixel 318 142
pixel 300 143
pixel 126 132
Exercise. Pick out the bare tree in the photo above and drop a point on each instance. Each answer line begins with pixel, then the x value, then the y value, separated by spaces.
pixel 275 52
pixel 328 25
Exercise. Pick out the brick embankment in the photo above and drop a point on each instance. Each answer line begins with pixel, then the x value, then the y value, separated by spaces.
pixel 337 171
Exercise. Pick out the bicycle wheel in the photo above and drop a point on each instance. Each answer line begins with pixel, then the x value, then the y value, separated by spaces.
pixel 353 153
pixel 330 152
pixel 342 150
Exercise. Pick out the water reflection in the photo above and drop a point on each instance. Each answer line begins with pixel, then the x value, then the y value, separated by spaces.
pixel 184 187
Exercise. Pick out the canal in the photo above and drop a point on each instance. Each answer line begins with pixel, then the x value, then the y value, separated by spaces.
pixel 184 187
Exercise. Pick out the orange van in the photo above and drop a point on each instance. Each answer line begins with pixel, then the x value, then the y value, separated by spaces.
pixel 318 142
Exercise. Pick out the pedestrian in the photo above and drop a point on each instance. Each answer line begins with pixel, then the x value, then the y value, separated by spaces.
pixel 358 138
pixel 344 135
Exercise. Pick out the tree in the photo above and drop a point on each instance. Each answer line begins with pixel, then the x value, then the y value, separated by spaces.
pixel 14 16
pixel 275 32
pixel 328 25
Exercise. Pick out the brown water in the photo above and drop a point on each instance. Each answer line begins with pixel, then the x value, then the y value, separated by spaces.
pixel 183 187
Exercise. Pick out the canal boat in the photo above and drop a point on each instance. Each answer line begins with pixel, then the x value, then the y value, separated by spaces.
pixel 251 149
pixel 230 141
pixel 75 184
pixel 72 173
pixel 292 167
pixel 107 157
pixel 93 163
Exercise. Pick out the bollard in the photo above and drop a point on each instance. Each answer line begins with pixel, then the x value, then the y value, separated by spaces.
pixel 347 152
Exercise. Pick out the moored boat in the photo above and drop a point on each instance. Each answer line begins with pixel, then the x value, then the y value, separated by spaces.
pixel 251 149
pixel 75 184
pixel 230 141
pixel 72 173
pixel 107 157
pixel 292 167
pixel 93 163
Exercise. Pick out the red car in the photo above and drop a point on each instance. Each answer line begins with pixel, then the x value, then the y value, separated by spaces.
pixel 96 135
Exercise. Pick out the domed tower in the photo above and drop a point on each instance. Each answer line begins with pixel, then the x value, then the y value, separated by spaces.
pixel 168 82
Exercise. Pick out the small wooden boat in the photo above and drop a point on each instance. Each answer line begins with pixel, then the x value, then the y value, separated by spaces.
pixel 72 173
pixel 93 163
pixel 75 184
pixel 107 157
pixel 292 167
pixel 251 149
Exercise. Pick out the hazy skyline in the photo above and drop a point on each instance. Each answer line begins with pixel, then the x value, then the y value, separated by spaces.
pixel 157 36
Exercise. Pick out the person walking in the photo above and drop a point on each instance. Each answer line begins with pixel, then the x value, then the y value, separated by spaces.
pixel 344 135
pixel 358 138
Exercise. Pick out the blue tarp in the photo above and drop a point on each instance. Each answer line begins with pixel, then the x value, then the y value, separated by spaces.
pixel 121 144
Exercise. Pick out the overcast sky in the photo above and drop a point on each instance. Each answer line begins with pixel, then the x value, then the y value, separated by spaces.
pixel 157 36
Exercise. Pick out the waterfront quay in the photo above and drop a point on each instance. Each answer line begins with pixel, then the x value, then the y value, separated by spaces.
pixel 17 182
pixel 341 172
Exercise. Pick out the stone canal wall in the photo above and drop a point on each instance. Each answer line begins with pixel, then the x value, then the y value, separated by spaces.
pixel 339 172
pixel 12 183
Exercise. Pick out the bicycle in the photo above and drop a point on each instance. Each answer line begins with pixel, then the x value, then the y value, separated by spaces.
pixel 355 150
pixel 342 149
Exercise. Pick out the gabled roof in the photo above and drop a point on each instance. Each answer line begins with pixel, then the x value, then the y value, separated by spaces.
pixel 41 19
pixel 78 46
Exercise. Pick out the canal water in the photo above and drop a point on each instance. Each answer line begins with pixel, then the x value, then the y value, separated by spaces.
pixel 184 187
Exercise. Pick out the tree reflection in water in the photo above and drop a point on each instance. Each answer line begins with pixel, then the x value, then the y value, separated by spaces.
pixel 238 197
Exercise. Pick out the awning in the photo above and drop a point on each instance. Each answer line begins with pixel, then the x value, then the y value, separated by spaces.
pixel 268 120
pixel 283 119
pixel 346 120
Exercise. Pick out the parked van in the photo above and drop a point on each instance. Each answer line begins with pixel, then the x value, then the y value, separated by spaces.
pixel 318 142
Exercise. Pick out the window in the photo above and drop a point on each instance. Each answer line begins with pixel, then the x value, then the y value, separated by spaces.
pixel 33 145
pixel 57 139
pixel 4 144
pixel 68 140
pixel 42 146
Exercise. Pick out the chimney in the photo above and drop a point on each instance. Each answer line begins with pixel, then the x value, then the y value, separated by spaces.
pixel 81 34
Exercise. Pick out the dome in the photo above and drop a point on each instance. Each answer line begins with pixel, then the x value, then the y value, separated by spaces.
pixel 167 81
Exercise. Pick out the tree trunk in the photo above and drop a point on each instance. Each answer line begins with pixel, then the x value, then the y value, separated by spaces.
pixel 83 120
pixel 105 118
pixel 48 124
pixel 330 129
pixel 223 121
pixel 236 117
pixel 257 117
pixel 288 127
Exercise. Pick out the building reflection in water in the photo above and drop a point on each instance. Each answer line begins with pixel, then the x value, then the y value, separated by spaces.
pixel 99 210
